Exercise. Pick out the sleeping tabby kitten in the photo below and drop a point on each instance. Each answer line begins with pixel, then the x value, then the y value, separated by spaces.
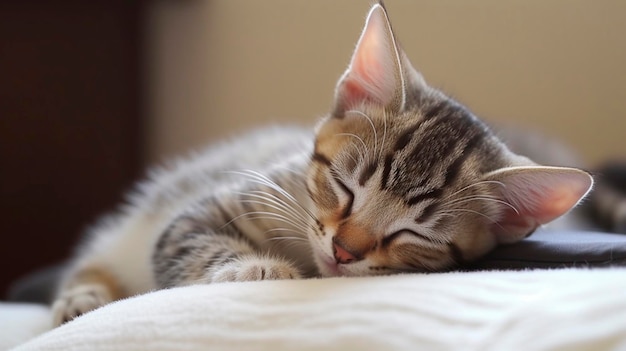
pixel 397 178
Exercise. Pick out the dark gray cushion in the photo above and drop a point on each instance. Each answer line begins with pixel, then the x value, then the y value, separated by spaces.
pixel 558 249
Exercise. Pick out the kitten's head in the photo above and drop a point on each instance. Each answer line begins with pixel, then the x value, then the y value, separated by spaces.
pixel 405 178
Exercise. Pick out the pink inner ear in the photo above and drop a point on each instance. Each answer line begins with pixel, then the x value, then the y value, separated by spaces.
pixel 512 227
pixel 539 195
pixel 374 57
pixel 374 72
pixel 557 201
pixel 353 92
pixel 540 208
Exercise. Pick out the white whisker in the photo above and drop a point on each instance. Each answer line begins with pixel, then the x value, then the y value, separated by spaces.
pixel 301 235
pixel 450 213
pixel 297 182
pixel 273 199
pixel 295 220
pixel 277 238
pixel 454 201
pixel 274 217
pixel 355 160
pixel 282 191
pixel 287 241
pixel 473 185
pixel 267 215
pixel 295 217
pixel 371 124
pixel 354 136
pixel 358 151
pixel 365 149
pixel 263 180
pixel 483 198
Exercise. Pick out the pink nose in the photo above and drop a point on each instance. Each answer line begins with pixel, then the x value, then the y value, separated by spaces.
pixel 342 255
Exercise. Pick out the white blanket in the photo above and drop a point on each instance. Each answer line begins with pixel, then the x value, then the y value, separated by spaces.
pixel 532 310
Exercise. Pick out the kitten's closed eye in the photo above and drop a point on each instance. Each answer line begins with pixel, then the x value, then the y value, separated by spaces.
pixel 388 239
pixel 427 213
pixel 347 208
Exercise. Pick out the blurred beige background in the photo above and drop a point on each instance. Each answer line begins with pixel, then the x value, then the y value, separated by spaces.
pixel 218 67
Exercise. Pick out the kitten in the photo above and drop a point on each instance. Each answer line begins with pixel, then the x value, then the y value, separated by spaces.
pixel 397 178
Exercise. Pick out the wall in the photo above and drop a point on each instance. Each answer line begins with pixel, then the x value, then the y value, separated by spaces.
pixel 217 67
pixel 70 124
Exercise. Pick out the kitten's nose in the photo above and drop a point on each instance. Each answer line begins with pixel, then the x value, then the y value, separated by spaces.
pixel 341 254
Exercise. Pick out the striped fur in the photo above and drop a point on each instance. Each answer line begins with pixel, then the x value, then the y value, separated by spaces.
pixel 398 177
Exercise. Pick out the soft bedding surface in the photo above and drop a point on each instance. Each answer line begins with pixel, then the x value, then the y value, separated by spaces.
pixel 570 309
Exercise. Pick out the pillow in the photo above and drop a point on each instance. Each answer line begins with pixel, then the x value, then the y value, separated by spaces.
pixel 20 322
pixel 565 309
pixel 558 249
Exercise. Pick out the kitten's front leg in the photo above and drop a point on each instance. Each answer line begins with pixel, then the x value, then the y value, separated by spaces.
pixel 83 290
pixel 189 252
pixel 253 267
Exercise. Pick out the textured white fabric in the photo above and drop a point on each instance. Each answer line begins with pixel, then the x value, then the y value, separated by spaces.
pixel 20 322
pixel 532 310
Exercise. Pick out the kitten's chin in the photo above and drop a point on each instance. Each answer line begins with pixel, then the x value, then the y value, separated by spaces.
pixel 327 266
pixel 328 271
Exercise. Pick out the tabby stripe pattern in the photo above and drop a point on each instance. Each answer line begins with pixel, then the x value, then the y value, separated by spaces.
pixel 319 158
pixel 367 173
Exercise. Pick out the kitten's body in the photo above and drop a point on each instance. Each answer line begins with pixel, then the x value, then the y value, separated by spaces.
pixel 123 243
pixel 397 178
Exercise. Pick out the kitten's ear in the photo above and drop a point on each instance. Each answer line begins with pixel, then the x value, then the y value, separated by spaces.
pixel 378 71
pixel 532 196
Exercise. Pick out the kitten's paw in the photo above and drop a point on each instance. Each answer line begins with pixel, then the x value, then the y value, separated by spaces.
pixel 255 268
pixel 79 300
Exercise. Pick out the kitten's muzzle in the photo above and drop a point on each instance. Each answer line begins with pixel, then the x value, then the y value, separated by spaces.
pixel 342 255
